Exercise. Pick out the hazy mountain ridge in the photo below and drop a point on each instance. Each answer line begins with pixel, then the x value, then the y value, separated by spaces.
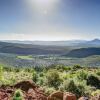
pixel 17 48
pixel 59 43
pixel 75 48
pixel 83 52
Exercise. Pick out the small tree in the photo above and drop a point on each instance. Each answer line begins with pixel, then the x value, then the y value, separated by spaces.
pixel 76 67
pixel 70 86
pixel 53 78
pixel 93 81
pixel 82 75
pixel 76 89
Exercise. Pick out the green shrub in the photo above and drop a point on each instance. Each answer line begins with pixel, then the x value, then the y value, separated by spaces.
pixel 95 93
pixel 76 89
pixel 80 91
pixel 82 75
pixel 1 73
pixel 70 86
pixel 93 81
pixel 41 74
pixel 35 76
pixel 76 67
pixel 49 90
pixel 61 87
pixel 41 81
pixel 98 73
pixel 53 78
pixel 18 95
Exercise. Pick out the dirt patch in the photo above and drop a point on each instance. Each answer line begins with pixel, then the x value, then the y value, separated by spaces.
pixel 33 92
pixel 29 89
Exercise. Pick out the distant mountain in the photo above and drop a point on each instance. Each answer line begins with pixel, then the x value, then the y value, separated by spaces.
pixel 83 52
pixel 92 43
pixel 75 48
pixel 49 43
pixel 95 41
pixel 78 43
pixel 17 48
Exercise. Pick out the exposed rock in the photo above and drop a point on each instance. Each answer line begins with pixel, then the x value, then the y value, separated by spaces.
pixel 29 89
pixel 56 96
pixel 32 92
pixel 83 98
pixel 69 96
pixel 4 96
pixel 25 85
pixel 62 96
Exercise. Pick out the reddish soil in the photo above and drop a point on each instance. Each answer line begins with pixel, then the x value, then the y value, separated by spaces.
pixel 33 92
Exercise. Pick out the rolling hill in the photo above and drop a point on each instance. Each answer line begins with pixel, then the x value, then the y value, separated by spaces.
pixel 76 49
pixel 74 43
pixel 83 52
pixel 16 48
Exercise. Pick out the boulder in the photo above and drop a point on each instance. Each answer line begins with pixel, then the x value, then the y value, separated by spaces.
pixel 25 85
pixel 69 96
pixel 33 95
pixel 4 96
pixel 61 96
pixel 83 98
pixel 56 96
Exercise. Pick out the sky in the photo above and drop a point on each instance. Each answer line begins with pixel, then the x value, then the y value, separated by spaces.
pixel 49 20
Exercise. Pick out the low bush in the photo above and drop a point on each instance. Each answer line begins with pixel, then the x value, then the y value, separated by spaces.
pixel 53 78
pixel 35 76
pixel 18 95
pixel 95 93
pixel 82 75
pixel 93 81
pixel 76 67
pixel 76 89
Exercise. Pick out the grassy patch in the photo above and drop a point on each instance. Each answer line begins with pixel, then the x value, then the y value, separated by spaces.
pixel 28 57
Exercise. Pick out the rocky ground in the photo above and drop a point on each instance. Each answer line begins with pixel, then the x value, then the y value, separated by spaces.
pixel 33 92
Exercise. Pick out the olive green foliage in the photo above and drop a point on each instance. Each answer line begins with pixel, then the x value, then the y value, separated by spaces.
pixel 82 75
pixel 35 76
pixel 95 93
pixel 76 67
pixel 98 73
pixel 18 95
pixel 1 72
pixel 76 79
pixel 49 90
pixel 93 81
pixel 53 78
pixel 77 89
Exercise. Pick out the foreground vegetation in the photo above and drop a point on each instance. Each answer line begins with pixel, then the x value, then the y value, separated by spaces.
pixel 81 81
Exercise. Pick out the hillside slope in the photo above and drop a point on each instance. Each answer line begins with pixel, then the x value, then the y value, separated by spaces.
pixel 84 52
pixel 25 49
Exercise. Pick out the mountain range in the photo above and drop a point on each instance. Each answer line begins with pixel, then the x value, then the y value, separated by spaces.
pixel 74 48
pixel 95 42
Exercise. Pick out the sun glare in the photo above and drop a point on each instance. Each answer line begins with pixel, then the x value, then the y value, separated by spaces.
pixel 43 6
pixel 44 1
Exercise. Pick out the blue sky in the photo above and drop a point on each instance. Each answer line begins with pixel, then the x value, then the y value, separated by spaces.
pixel 49 19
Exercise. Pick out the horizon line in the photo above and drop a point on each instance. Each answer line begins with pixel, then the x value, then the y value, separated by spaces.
pixel 51 40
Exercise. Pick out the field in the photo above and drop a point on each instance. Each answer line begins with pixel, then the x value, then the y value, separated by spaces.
pixel 15 60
